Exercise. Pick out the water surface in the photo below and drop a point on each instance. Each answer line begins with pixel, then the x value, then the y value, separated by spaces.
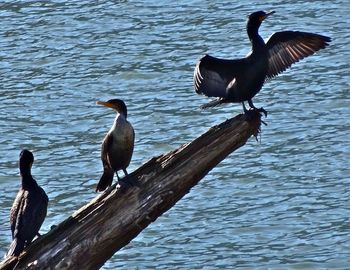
pixel 281 203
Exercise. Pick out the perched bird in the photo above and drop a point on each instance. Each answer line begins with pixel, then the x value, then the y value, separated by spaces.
pixel 29 208
pixel 117 146
pixel 240 80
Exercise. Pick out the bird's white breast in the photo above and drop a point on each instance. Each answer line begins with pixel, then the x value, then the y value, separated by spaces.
pixel 123 134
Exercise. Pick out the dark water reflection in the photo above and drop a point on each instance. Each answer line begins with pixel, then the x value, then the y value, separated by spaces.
pixel 281 203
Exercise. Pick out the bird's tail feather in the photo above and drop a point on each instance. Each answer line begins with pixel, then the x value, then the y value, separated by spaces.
pixel 16 247
pixel 212 103
pixel 106 180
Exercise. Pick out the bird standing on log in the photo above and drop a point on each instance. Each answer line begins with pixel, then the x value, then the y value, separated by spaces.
pixel 239 80
pixel 117 146
pixel 29 208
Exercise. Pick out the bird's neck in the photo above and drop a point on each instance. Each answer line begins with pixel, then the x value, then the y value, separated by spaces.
pixel 120 115
pixel 118 121
pixel 254 37
pixel 122 110
pixel 27 180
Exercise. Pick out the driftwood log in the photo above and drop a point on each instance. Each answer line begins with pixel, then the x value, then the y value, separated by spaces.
pixel 91 235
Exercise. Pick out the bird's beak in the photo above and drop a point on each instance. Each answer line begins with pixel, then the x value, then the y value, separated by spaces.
pixel 107 104
pixel 267 15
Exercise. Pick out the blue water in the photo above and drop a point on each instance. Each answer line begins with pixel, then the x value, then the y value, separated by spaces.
pixel 281 203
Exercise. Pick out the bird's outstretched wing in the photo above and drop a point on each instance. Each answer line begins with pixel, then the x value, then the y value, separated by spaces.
pixel 212 76
pixel 288 47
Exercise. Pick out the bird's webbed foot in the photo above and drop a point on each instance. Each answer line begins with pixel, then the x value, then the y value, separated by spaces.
pixel 254 113
pixel 252 107
pixel 244 108
pixel 127 180
pixel 261 110
pixel 124 185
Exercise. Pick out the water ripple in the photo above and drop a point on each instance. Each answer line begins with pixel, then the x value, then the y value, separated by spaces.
pixel 280 203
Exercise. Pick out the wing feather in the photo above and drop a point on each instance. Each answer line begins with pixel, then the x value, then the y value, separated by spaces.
pixel 288 47
pixel 212 76
pixel 106 145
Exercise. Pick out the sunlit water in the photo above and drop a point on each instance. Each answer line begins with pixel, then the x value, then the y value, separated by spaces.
pixel 281 203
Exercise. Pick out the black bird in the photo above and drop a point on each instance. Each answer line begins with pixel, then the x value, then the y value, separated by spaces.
pixel 240 80
pixel 117 146
pixel 29 208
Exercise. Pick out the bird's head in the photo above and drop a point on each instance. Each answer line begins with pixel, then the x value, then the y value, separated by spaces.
pixel 116 104
pixel 26 160
pixel 256 18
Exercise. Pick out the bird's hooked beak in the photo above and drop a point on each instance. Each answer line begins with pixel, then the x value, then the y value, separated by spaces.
pixel 104 103
pixel 267 15
pixel 108 104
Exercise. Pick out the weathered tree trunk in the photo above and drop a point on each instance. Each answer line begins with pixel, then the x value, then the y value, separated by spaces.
pixel 88 238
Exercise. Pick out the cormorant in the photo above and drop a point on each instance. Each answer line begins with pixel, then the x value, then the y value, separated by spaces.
pixel 117 146
pixel 240 80
pixel 29 208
